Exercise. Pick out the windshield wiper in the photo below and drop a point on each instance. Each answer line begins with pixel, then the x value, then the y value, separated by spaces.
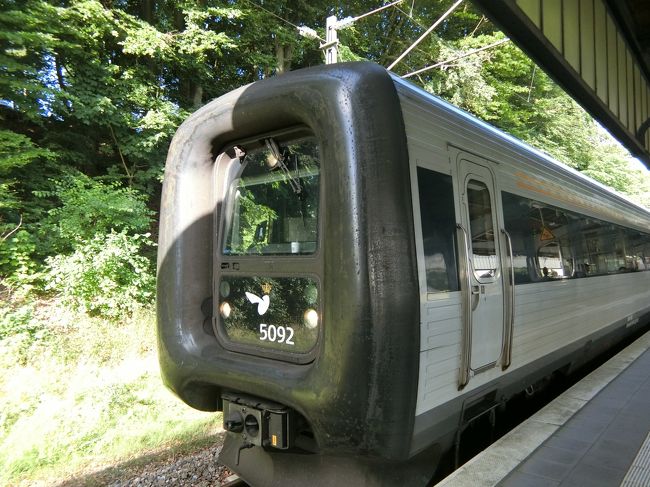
pixel 276 160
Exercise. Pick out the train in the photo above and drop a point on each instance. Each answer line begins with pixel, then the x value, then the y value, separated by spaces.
pixel 353 271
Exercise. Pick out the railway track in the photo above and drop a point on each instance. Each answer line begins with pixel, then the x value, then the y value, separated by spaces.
pixel 234 481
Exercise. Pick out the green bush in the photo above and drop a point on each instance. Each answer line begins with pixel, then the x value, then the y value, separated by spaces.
pixel 106 276
pixel 17 265
pixel 91 247
pixel 21 331
pixel 89 207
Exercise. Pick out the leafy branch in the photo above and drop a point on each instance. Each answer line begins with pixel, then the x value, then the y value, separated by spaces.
pixel 8 234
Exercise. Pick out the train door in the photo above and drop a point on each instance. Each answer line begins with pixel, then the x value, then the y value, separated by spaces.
pixel 482 276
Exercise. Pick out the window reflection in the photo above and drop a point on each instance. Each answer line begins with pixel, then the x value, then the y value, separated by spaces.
pixel 274 209
pixel 550 262
pixel 279 313
pixel 438 229
pixel 553 243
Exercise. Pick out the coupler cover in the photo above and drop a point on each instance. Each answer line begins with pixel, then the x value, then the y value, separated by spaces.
pixel 257 422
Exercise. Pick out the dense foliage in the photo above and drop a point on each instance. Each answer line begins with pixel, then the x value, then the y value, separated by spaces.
pixel 91 93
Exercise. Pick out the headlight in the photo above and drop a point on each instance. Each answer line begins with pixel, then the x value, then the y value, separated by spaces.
pixel 310 319
pixel 224 310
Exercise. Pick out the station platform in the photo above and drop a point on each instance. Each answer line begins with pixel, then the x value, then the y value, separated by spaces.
pixel 597 433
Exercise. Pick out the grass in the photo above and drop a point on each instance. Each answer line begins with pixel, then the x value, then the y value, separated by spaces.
pixel 80 395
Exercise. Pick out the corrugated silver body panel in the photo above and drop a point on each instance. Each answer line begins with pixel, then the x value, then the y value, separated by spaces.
pixel 548 315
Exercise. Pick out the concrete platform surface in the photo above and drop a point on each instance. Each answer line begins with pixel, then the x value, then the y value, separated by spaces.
pixel 594 434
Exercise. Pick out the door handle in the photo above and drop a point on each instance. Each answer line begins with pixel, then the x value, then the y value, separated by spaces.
pixel 510 307
pixel 475 291
pixel 464 274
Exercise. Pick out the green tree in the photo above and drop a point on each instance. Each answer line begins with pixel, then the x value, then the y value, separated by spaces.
pixel 504 87
pixel 91 93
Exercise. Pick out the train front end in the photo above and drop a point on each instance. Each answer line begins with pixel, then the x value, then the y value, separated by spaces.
pixel 287 282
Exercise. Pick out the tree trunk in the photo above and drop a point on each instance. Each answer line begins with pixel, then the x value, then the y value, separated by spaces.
pixel 197 95
pixel 147 9
pixel 190 89
pixel 283 55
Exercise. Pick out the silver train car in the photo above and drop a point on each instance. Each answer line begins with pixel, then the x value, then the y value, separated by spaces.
pixel 352 270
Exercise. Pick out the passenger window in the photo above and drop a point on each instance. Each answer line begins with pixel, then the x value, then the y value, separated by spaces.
pixel 521 227
pixel 553 243
pixel 438 219
pixel 484 258
pixel 637 243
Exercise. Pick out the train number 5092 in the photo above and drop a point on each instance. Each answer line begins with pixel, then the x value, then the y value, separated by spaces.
pixel 276 333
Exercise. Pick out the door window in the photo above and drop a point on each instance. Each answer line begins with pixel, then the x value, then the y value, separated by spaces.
pixel 484 258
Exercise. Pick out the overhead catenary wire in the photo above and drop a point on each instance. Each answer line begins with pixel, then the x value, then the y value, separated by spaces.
pixel 483 18
pixel 422 26
pixel 333 25
pixel 400 41
pixel 426 33
pixel 308 32
pixel 447 61
pixel 349 20
pixel 410 16
pixel 305 31
pixel 532 81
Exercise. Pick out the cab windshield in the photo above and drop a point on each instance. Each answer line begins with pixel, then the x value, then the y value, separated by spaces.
pixel 273 205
